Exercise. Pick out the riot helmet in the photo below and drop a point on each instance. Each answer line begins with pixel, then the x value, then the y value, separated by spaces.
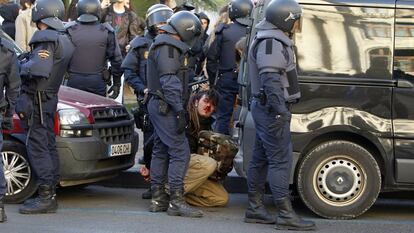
pixel 283 14
pixel 88 11
pixel 184 24
pixel 156 15
pixel 240 9
pixel 49 12
pixel 185 6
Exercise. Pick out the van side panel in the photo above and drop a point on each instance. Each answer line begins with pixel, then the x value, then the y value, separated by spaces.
pixel 344 58
pixel 403 99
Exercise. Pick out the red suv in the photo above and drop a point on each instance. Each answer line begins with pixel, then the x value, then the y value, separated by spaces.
pixel 95 139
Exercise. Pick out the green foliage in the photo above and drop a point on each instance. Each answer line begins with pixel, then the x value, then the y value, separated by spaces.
pixel 141 6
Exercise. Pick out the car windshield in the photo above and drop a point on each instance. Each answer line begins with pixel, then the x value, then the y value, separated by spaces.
pixel 17 49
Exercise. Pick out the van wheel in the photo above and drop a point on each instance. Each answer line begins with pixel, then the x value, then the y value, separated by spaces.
pixel 20 180
pixel 339 180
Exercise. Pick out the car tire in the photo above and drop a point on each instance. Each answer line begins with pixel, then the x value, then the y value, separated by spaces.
pixel 339 180
pixel 20 179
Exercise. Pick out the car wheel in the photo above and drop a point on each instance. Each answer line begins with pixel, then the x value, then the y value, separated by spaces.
pixel 20 180
pixel 339 180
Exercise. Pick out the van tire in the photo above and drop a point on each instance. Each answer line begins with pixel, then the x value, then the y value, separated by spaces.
pixel 16 151
pixel 339 180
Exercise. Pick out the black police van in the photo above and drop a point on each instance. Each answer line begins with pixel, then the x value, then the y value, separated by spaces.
pixel 353 129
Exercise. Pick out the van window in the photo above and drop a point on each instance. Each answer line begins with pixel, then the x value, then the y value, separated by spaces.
pixel 342 41
pixel 404 44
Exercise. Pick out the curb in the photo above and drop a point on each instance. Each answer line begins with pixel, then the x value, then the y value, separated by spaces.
pixel 132 179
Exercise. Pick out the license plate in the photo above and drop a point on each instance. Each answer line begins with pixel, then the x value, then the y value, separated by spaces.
pixel 120 149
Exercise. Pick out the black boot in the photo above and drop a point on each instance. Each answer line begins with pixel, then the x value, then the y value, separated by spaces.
pixel 178 206
pixel 160 199
pixel 256 212
pixel 44 203
pixel 288 219
pixel 3 216
pixel 147 194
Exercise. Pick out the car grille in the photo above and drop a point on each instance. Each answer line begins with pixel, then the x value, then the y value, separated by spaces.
pixel 110 114
pixel 120 134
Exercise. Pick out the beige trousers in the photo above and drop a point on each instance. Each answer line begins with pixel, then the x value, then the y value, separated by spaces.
pixel 198 189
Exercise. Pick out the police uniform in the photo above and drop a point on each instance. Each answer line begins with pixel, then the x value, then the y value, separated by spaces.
pixel 167 72
pixel 168 87
pixel 271 57
pixel 10 82
pixel 42 76
pixel 135 68
pixel 95 44
pixel 274 86
pixel 221 64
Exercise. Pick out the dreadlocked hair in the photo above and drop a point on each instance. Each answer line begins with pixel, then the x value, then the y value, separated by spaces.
pixel 194 118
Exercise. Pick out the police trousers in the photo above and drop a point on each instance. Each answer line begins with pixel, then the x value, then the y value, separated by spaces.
pixel 228 89
pixel 272 153
pixel 171 152
pixel 41 143
pixel 2 178
pixel 199 190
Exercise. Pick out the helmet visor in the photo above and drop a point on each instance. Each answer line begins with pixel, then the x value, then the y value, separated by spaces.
pixel 53 22
pixel 158 16
pixel 87 18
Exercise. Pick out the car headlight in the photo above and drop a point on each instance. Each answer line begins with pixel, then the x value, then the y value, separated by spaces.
pixel 72 117
pixel 73 123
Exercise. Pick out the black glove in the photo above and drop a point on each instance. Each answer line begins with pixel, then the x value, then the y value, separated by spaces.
pixel 7 123
pixel 181 122
pixel 278 126
pixel 115 91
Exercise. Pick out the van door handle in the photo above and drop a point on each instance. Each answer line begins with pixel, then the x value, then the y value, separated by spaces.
pixel 404 83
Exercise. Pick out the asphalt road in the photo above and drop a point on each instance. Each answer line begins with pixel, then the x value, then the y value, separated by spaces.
pixel 101 209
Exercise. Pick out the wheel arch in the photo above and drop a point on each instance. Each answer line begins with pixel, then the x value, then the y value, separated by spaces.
pixel 16 137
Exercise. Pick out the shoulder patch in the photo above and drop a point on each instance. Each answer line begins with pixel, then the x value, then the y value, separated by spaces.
pixel 43 54
pixel 185 61
pixel 108 27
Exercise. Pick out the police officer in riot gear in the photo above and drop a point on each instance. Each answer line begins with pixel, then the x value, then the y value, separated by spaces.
pixel 168 87
pixel 10 80
pixel 274 86
pixel 42 75
pixel 95 44
pixel 135 68
pixel 221 62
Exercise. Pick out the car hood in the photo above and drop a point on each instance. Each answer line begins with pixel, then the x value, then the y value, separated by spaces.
pixel 83 100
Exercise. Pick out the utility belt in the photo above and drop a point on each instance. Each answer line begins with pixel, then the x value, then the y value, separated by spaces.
pixel 233 71
pixel 44 96
pixel 261 98
pixel 163 107
pixel 106 74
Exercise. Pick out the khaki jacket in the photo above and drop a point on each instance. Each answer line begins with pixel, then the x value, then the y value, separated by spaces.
pixel 25 29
